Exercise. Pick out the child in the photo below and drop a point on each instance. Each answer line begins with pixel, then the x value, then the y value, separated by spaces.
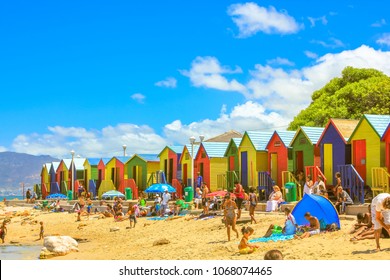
pixel 89 207
pixel 244 247
pixel 252 204
pixel 273 255
pixel 3 231
pixel 131 212
pixel 41 231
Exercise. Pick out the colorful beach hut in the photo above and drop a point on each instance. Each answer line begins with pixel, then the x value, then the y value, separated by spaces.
pixel 386 140
pixel 45 178
pixel 91 172
pixel 368 151
pixel 211 163
pixel 141 168
pixel 54 186
pixel 186 163
pixel 304 147
pixel 115 171
pixel 233 163
pixel 278 154
pixel 63 176
pixel 170 163
pixel 253 156
pixel 334 147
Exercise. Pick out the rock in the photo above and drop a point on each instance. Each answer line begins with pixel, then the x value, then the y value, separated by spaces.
pixel 58 246
pixel 162 241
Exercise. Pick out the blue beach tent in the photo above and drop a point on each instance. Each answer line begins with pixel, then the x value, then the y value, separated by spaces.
pixel 318 206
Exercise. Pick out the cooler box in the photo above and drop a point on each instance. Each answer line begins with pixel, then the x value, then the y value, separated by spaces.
pixel 129 193
pixel 188 194
pixel 291 191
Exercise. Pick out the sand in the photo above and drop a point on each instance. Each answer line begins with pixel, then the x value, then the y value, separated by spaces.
pixel 185 238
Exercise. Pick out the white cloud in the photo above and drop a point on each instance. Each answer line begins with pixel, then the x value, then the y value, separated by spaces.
pixel 280 61
pixel 138 97
pixel 251 19
pixel 313 21
pixel 310 54
pixel 207 72
pixel 379 23
pixel 168 82
pixel 3 149
pixel 384 39
pixel 332 43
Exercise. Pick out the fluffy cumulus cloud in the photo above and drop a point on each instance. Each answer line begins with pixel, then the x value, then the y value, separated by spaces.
pixel 384 39
pixel 168 83
pixel 251 18
pixel 208 72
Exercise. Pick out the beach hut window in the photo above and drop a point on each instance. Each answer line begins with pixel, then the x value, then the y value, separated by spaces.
pixel 302 140
pixel 187 156
pixel 234 150
pixel 277 144
pixel 203 155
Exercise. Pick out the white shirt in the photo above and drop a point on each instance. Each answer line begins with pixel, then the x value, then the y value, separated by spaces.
pixel 377 202
pixel 306 189
pixel 165 198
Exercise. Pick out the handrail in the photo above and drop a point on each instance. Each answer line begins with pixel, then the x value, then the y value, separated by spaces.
pixel 231 176
pixel 178 186
pixel 380 180
pixel 352 181
pixel 266 183
pixel 221 181
pixel 315 171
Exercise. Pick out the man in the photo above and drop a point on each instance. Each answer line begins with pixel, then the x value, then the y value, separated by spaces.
pixel 164 203
pixel 199 181
pixel 205 199
pixel 380 205
pixel 313 229
pixel 343 199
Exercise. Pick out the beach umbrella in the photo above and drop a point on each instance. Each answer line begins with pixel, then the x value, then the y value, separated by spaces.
pixel 112 195
pixel 220 194
pixel 56 196
pixel 159 188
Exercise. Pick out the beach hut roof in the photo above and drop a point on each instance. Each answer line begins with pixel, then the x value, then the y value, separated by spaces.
pixel 259 139
pixel 286 136
pixel 149 157
pixel 378 123
pixel 173 148
pixel 123 159
pixel 233 141
pixel 196 149
pixel 215 149
pixel 93 161
pixel 105 160
pixel 344 127
pixel 55 165
pixel 313 134
pixel 387 131
pixel 225 137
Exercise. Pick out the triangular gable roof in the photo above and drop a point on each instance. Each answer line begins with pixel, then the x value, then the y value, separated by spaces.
pixel 54 165
pixel 259 139
pixel 235 141
pixel 93 161
pixel 344 128
pixel 378 123
pixel 285 135
pixel 149 157
pixel 225 137
pixel 123 159
pixel 215 149
pixel 310 132
pixel 387 131
pixel 105 160
pixel 67 162
pixel 188 148
pixel 175 149
pixel 79 163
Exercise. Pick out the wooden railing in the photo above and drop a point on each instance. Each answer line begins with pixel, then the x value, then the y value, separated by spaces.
pixel 221 181
pixel 380 180
pixel 231 177
pixel 287 177
pixel 352 182
pixel 265 184
pixel 179 188
pixel 314 171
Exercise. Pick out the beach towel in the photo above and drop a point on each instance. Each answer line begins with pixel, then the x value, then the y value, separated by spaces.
pixel 273 237
pixel 157 218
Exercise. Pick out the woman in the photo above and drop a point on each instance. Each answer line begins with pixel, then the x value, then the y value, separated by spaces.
pixel 252 204
pixel 274 199
pixel 229 215
pixel 308 187
pixel 240 196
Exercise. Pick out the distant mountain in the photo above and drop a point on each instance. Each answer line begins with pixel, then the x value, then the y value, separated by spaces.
pixel 16 168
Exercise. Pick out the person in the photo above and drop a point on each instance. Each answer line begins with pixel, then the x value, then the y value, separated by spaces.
pixel 205 198
pixel 132 216
pixel 89 206
pixel 3 231
pixel 164 203
pixel 229 214
pixel 252 204
pixel 273 255
pixel 41 230
pixel 240 196
pixel 343 199
pixel 319 187
pixel 80 190
pixel 157 199
pixel 290 225
pixel 109 212
pixel 199 181
pixel 314 227
pixel 301 179
pixel 179 204
pixel 380 207
pixel 274 199
pixel 363 222
pixel 33 197
pixel 118 209
pixel 308 187
pixel 244 247
pixel 28 196
pixel 337 175
pixel 198 197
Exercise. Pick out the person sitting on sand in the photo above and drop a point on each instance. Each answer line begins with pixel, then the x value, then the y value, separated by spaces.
pixel 273 255
pixel 3 231
pixel 314 227
pixel 229 214
pixel 363 222
pixel 289 228
pixel 244 247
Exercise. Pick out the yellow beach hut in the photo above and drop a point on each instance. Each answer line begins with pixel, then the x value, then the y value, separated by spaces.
pixel 186 163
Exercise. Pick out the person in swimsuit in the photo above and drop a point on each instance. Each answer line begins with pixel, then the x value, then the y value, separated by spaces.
pixel 240 196
pixel 252 204
pixel 313 229
pixel 229 214
pixel 244 247
pixel 41 231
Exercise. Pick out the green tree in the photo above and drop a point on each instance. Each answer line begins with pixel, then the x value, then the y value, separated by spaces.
pixel 357 92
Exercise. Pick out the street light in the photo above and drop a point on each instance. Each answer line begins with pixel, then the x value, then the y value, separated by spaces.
pixel 124 149
pixel 72 168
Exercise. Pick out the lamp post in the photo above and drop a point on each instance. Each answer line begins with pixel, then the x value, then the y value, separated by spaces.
pixel 72 168
pixel 124 146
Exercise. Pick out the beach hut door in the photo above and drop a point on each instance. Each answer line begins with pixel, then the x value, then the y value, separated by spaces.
pixel 244 169
pixel 328 163
pixel 359 157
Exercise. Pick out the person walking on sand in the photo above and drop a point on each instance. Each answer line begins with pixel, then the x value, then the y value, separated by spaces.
pixel 252 204
pixel 132 215
pixel 240 195
pixel 3 231
pixel 380 205
pixel 229 215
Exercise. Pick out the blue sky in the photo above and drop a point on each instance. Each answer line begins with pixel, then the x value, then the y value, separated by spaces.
pixel 94 75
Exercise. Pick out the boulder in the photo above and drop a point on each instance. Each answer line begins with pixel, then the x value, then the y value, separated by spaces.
pixel 58 246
